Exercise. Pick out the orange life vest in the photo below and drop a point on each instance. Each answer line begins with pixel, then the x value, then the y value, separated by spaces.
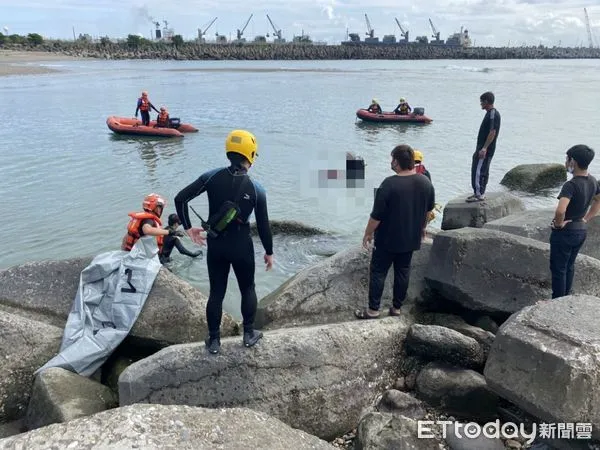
pixel 133 230
pixel 163 119
pixel 420 168
pixel 144 104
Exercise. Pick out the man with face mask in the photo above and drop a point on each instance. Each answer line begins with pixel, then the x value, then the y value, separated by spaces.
pixel 397 223
pixel 571 217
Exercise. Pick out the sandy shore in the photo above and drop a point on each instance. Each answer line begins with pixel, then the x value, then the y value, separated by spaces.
pixel 12 63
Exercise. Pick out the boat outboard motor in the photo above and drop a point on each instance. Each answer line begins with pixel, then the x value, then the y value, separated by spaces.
pixel 174 122
pixel 419 111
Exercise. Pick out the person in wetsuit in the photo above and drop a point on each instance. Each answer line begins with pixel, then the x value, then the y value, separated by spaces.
pixel 234 246
pixel 172 241
pixel 403 108
pixel 374 107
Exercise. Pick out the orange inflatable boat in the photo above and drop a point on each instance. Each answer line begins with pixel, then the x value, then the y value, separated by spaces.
pixel 131 126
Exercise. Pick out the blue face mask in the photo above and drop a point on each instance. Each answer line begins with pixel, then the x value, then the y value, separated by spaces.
pixel 570 169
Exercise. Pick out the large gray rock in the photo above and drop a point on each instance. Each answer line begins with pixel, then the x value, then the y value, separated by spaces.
pixel 47 290
pixel 317 379
pixel 59 396
pixel 382 431
pixel 460 214
pixel 330 291
pixel 401 404
pixel 460 392
pixel 535 177
pixel 535 224
pixel 545 360
pixel 159 426
pixel 25 346
pixel 491 271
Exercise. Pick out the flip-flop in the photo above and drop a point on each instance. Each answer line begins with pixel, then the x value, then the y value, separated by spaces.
pixel 392 313
pixel 364 314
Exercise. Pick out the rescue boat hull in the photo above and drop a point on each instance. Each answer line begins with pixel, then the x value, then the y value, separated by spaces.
pixel 131 126
pixel 390 117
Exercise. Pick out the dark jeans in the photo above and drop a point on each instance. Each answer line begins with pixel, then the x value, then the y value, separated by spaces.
pixel 381 261
pixel 145 117
pixel 564 247
pixel 480 172
pixel 235 251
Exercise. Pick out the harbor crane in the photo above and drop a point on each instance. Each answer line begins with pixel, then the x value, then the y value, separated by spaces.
pixel 436 33
pixel 276 32
pixel 589 29
pixel 402 31
pixel 370 30
pixel 240 33
pixel 201 32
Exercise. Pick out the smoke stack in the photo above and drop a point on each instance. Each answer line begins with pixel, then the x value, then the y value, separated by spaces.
pixel 158 35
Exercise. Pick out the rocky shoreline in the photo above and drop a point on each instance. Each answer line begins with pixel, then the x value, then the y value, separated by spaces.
pixel 196 51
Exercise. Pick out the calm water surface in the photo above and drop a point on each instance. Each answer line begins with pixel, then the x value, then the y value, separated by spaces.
pixel 67 183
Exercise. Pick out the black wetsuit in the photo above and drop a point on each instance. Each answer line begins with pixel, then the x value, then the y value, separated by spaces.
pixel 234 247
pixel 169 243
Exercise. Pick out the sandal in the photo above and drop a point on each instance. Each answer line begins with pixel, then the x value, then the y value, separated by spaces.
pixel 364 314
pixel 392 313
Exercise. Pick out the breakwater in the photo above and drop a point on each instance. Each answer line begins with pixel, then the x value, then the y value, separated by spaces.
pixel 196 51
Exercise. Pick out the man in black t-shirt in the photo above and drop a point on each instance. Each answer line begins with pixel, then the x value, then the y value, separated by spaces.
pixel 397 222
pixel 571 217
pixel 486 146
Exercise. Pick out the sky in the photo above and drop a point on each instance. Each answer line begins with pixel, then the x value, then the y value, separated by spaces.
pixel 490 22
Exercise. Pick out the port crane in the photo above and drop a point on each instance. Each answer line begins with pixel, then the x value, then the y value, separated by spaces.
pixel 589 30
pixel 201 32
pixel 370 31
pixel 276 32
pixel 241 32
pixel 436 33
pixel 402 31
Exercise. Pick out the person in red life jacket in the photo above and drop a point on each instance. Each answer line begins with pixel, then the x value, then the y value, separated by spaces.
pixel 374 107
pixel 147 223
pixel 403 108
pixel 162 120
pixel 143 106
pixel 419 167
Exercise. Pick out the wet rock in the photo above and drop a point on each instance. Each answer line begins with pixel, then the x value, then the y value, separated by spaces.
pixel 460 214
pixel 457 323
pixel 487 323
pixel 401 404
pixel 170 426
pixel 535 177
pixel 457 439
pixel 60 396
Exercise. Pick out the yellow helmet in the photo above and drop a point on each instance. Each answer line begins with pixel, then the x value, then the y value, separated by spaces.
pixel 242 142
pixel 402 100
pixel 375 101
pixel 418 156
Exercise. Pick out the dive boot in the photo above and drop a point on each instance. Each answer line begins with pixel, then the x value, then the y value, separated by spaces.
pixel 252 337
pixel 213 345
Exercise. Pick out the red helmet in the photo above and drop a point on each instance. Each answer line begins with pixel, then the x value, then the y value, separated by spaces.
pixel 153 201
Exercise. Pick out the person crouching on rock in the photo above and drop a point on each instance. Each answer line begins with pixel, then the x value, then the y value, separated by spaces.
pixel 419 166
pixel 146 223
pixel 162 119
pixel 397 222
pixel 569 227
pixel 172 240
pixel 143 106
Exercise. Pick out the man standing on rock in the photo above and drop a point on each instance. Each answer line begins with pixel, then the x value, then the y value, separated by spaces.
pixel 232 197
pixel 397 222
pixel 571 217
pixel 486 146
